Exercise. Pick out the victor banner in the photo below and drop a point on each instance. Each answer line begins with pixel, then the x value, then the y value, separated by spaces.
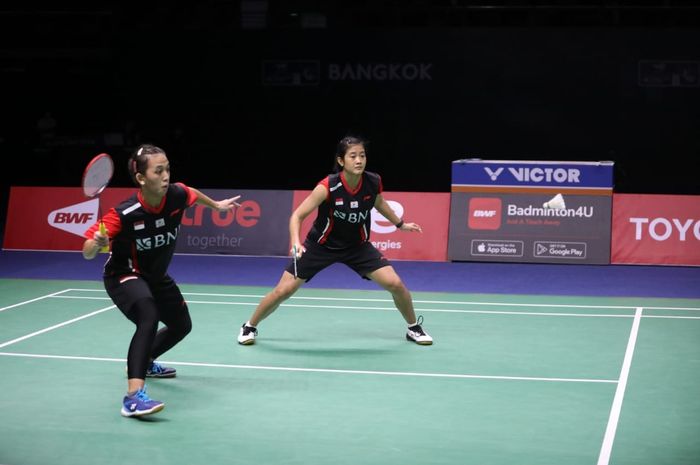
pixel 530 211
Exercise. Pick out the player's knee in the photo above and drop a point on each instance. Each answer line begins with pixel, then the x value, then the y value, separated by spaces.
pixel 184 326
pixel 395 286
pixel 145 314
pixel 283 292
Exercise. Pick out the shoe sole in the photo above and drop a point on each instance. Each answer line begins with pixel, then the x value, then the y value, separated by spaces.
pixel 126 413
pixel 171 375
pixel 420 343
pixel 249 342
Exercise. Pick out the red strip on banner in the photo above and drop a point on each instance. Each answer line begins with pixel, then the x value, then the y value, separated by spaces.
pixel 656 229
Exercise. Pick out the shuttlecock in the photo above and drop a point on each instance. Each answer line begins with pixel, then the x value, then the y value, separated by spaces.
pixel 555 203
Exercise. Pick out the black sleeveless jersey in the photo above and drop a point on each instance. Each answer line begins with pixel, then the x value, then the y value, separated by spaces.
pixel 343 219
pixel 142 238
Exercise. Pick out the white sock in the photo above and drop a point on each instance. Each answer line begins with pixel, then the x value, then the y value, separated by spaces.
pixel 247 323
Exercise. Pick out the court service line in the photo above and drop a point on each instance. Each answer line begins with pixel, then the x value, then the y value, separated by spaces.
pixel 324 370
pixel 419 309
pixel 55 294
pixel 51 328
pixel 611 429
pixel 418 301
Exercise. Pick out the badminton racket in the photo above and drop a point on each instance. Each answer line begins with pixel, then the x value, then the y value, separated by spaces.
pixel 96 177
pixel 294 255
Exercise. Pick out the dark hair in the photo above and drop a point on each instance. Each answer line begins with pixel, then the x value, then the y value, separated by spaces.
pixel 342 147
pixel 138 162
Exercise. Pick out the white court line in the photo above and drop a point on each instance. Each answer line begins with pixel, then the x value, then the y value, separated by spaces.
pixel 419 309
pixel 430 310
pixel 611 429
pixel 55 294
pixel 325 370
pixel 455 302
pixel 50 328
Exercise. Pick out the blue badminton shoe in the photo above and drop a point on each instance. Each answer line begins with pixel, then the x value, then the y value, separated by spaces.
pixel 156 370
pixel 139 404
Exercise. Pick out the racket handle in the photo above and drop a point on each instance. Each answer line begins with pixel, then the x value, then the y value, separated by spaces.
pixel 103 231
pixel 294 254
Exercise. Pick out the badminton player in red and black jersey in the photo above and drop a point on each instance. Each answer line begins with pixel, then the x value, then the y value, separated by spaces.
pixel 340 234
pixel 141 232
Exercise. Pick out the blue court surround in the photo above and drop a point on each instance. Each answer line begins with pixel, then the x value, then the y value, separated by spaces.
pixel 464 277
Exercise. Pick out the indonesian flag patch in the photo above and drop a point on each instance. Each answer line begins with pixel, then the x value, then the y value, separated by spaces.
pixel 338 202
pixel 139 225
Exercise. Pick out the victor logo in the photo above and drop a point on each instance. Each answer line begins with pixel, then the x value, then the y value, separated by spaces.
pixel 493 174
pixel 559 175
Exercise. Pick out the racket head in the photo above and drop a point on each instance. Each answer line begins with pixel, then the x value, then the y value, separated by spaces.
pixel 97 175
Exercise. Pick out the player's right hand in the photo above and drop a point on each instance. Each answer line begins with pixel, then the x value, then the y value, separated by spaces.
pixel 299 249
pixel 100 239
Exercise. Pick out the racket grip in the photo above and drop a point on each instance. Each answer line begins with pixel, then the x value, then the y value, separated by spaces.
pixel 103 231
pixel 294 256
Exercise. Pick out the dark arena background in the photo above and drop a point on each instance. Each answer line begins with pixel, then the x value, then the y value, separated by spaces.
pixel 564 335
pixel 255 94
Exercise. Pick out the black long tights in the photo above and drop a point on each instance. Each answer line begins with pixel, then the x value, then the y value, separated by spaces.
pixel 148 342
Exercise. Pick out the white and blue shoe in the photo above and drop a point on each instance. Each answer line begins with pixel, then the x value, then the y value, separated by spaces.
pixel 139 404
pixel 156 370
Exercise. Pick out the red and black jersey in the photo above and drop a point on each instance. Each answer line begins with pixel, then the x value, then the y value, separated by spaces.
pixel 142 238
pixel 344 218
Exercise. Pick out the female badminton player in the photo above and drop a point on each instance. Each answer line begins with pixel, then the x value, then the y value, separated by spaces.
pixel 141 233
pixel 340 234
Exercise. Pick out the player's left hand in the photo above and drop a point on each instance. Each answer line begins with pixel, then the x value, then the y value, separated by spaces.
pixel 410 227
pixel 228 204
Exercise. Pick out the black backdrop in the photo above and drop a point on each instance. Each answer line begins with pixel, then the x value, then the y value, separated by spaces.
pixel 263 109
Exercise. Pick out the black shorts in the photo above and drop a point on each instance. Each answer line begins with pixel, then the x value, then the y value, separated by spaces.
pixel 128 289
pixel 363 259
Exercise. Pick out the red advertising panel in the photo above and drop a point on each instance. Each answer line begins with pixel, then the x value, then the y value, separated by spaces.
pixel 53 218
pixel 257 227
pixel 430 210
pixel 656 229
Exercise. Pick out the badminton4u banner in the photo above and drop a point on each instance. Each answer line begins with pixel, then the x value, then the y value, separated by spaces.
pixel 530 211
pixel 656 229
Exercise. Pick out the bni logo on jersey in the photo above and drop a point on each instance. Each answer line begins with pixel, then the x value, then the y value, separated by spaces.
pixel 484 213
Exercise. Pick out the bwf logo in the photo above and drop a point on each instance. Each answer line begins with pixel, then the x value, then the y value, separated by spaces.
pixel 484 213
pixel 75 219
